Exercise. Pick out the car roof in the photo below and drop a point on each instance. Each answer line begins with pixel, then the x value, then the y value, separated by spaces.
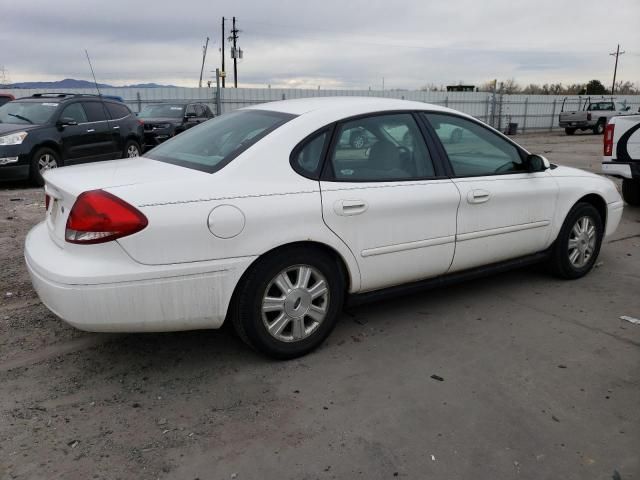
pixel 352 105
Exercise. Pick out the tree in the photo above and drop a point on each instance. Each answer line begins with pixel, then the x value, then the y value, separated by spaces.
pixel 510 87
pixel 595 87
pixel 626 88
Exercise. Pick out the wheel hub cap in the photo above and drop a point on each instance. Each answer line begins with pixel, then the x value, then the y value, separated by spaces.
pixel 295 303
pixel 582 242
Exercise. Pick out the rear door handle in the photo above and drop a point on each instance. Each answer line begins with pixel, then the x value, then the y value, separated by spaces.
pixel 91 130
pixel 116 127
pixel 350 207
pixel 478 196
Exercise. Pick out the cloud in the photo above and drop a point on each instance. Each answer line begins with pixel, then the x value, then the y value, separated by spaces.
pixel 334 44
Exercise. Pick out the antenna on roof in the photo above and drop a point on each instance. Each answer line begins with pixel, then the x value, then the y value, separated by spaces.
pixel 92 73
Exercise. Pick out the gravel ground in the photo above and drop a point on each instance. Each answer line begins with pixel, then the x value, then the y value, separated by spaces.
pixel 518 375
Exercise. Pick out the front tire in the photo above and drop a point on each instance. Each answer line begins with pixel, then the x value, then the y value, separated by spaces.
pixel 578 244
pixel 569 131
pixel 631 191
pixel 131 149
pixel 42 160
pixel 289 302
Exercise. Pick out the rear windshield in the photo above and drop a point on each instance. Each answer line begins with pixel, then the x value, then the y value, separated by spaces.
pixel 160 111
pixel 213 144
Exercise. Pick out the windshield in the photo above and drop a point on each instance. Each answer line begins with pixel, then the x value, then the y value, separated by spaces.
pixel 27 112
pixel 213 144
pixel 162 111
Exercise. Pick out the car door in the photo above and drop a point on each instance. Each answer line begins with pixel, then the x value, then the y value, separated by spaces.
pixel 100 140
pixel 505 210
pixel 119 125
pixel 191 116
pixel 74 135
pixel 389 201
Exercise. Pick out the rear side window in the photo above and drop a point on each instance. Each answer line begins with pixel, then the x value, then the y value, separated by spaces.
pixel 306 159
pixel 95 111
pixel 213 144
pixel 117 110
pixel 74 112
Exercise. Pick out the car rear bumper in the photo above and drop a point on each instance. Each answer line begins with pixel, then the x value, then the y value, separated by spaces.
pixel 564 124
pixel 621 169
pixel 144 298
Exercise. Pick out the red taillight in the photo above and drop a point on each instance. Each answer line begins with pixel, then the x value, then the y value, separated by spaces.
pixel 140 122
pixel 98 216
pixel 608 139
pixel 589 116
pixel 47 199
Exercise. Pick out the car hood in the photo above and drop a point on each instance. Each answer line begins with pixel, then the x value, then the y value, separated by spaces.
pixel 161 120
pixel 6 128
pixel 561 171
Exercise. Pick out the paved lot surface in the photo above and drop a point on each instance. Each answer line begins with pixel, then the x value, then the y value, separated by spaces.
pixel 540 380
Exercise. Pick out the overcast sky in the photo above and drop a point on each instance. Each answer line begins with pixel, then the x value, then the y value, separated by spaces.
pixel 331 43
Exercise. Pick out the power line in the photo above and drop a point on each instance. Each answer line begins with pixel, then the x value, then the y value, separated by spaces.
pixel 616 54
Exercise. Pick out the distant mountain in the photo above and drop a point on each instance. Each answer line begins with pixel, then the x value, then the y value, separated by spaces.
pixel 73 83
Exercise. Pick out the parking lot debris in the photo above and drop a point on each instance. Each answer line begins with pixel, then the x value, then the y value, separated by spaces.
pixel 73 443
pixel 562 366
pixel 16 199
pixel 630 319
pixel 162 421
pixel 554 418
pixel 599 264
pixel 433 457
pixel 616 475
pixel 437 377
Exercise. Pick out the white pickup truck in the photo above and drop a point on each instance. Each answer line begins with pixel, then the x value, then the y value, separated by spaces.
pixel 593 116
pixel 622 155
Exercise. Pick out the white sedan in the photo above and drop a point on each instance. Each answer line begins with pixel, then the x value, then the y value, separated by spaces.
pixel 268 218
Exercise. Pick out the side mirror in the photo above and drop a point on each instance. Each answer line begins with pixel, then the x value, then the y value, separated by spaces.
pixel 537 163
pixel 189 116
pixel 66 122
pixel 627 108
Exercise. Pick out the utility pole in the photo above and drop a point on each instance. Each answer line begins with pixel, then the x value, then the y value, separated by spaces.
pixel 204 56
pixel 223 73
pixel 616 54
pixel 234 52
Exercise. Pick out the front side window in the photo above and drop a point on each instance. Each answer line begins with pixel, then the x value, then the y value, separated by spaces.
pixel 191 111
pixel 380 148
pixel 27 113
pixel 474 150
pixel 211 145
pixel 75 112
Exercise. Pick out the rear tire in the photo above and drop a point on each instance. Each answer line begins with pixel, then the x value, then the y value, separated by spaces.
pixel 599 128
pixel 42 160
pixel 289 302
pixel 631 191
pixel 131 149
pixel 569 131
pixel 578 244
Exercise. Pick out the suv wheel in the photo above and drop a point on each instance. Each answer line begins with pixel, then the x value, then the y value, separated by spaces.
pixel 289 302
pixel 631 191
pixel 43 159
pixel 131 149
pixel 599 128
pixel 578 244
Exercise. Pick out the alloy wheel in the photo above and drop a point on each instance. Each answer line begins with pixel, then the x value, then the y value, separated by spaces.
pixel 47 162
pixel 295 303
pixel 582 242
pixel 132 151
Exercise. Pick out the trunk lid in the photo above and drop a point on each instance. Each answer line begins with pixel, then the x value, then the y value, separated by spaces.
pixel 65 184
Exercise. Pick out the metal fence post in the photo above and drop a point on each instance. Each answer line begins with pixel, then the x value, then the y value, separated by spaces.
pixel 553 114
pixel 493 108
pixel 524 121
pixel 218 92
pixel 139 101
pixel 446 101
pixel 284 97
pixel 486 109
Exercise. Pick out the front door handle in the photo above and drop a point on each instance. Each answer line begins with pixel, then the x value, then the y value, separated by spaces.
pixel 116 127
pixel 91 130
pixel 478 196
pixel 350 207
